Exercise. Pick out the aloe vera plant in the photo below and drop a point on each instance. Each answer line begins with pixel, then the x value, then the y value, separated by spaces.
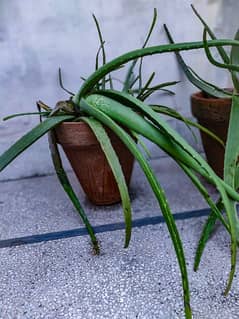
pixel 100 107
pixel 229 62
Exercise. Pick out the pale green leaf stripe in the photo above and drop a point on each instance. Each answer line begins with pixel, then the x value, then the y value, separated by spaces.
pixel 62 176
pixel 115 166
pixel 108 105
pixel 158 191
pixel 29 138
pixel 114 64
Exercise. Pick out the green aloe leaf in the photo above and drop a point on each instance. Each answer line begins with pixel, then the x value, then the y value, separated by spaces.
pixel 159 87
pixel 220 50
pixel 129 100
pixel 172 113
pixel 115 166
pixel 92 110
pixel 231 163
pixel 207 230
pixel 130 73
pixel 194 78
pixel 127 117
pixel 62 176
pixel 230 67
pixel 232 146
pixel 146 86
pixel 141 143
pixel 29 138
pixel 102 48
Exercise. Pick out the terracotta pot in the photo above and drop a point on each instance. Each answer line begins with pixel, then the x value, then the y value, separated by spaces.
pixel 89 162
pixel 214 114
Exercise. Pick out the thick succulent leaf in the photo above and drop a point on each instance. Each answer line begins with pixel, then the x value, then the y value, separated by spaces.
pixel 114 163
pixel 92 110
pixel 29 138
pixel 126 99
pixel 172 113
pixel 194 78
pixel 116 63
pixel 62 176
pixel 127 117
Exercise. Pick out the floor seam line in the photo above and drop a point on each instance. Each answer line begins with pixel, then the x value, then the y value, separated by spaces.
pixel 78 232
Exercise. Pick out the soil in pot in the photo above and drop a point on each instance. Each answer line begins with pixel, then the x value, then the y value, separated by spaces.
pixel 214 114
pixel 90 164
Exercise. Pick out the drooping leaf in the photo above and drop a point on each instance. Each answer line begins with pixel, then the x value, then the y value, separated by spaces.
pixel 115 166
pixel 207 230
pixel 220 49
pixel 127 117
pixel 159 193
pixel 129 100
pixel 28 139
pixel 194 78
pixel 116 63
pixel 231 67
pixel 173 113
pixel 141 143
pixel 231 166
pixel 62 176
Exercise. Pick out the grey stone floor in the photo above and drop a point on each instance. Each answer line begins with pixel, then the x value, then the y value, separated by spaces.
pixel 62 279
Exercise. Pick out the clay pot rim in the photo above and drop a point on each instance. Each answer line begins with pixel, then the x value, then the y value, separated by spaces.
pixel 200 97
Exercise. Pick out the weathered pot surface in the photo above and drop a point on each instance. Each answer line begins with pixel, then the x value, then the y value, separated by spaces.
pixel 89 162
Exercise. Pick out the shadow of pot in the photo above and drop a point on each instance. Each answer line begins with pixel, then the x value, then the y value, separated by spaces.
pixel 90 164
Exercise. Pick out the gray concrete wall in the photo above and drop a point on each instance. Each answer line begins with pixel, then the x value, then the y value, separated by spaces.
pixel 38 37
